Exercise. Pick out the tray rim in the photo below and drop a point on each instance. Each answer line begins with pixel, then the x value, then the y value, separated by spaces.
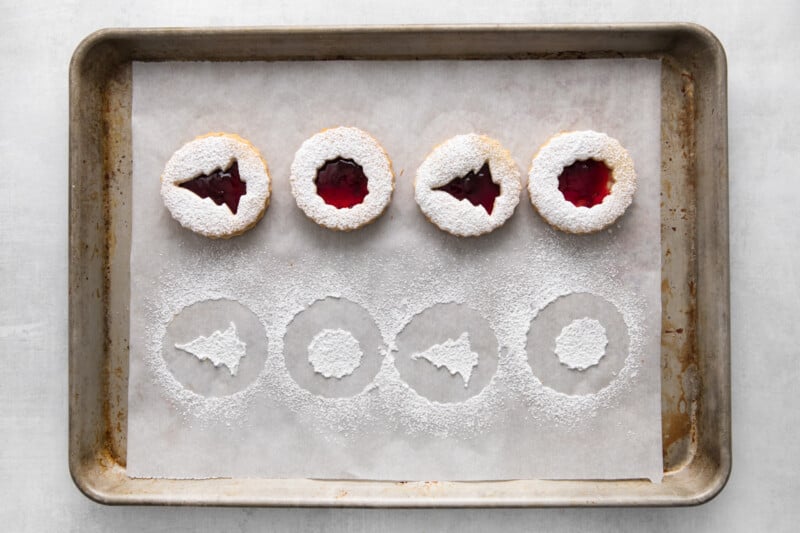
pixel 102 479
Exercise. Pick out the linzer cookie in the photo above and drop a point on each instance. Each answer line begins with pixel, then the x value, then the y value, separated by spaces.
pixel 342 178
pixel 217 185
pixel 469 185
pixel 581 181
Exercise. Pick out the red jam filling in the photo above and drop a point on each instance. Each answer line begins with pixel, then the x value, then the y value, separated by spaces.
pixel 585 183
pixel 341 183
pixel 478 188
pixel 222 186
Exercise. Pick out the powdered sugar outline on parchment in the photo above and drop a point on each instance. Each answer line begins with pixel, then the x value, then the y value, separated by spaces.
pixel 231 408
pixel 454 355
pixel 388 402
pixel 573 408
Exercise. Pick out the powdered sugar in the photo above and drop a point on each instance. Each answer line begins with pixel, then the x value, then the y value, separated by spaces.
pixel 221 348
pixel 347 143
pixel 204 155
pixel 454 159
pixel 387 399
pixel 565 149
pixel 581 344
pixel 334 353
pixel 454 355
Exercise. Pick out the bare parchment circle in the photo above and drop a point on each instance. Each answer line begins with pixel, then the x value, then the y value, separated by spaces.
pixel 202 319
pixel 581 344
pixel 332 314
pixel 549 324
pixel 422 333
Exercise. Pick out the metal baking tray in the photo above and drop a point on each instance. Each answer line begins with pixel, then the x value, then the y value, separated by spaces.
pixel 695 350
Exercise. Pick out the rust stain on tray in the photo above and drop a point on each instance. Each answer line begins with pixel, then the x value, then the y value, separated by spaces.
pixel 116 114
pixel 680 397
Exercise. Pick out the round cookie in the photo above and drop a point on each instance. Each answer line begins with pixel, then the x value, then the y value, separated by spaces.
pixel 469 185
pixel 351 170
pixel 216 185
pixel 560 153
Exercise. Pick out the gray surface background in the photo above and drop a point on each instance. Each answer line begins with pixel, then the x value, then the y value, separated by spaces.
pixel 37 40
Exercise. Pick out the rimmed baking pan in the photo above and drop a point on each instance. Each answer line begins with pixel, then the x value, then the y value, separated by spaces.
pixel 695 351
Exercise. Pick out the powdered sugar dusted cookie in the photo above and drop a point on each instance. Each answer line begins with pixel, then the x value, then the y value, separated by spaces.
pixel 342 178
pixel 581 181
pixel 469 185
pixel 217 185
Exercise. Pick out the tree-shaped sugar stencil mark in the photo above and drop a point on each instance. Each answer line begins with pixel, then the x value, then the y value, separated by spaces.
pixel 447 361
pixel 215 347
pixel 222 348
pixel 454 355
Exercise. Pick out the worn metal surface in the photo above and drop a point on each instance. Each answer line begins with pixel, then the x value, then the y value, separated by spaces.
pixel 695 315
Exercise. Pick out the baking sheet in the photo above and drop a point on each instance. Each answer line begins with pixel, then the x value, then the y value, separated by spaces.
pixel 528 419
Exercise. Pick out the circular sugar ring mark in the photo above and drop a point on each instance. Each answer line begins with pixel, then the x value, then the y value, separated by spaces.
pixel 447 361
pixel 191 342
pixel 301 348
pixel 553 321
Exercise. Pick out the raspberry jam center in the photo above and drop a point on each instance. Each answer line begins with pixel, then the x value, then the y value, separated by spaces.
pixel 478 188
pixel 341 183
pixel 222 186
pixel 585 183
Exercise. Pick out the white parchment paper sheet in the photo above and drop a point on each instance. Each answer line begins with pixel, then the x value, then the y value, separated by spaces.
pixel 399 285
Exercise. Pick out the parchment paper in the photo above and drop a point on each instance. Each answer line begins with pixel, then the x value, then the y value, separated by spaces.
pixel 399 285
